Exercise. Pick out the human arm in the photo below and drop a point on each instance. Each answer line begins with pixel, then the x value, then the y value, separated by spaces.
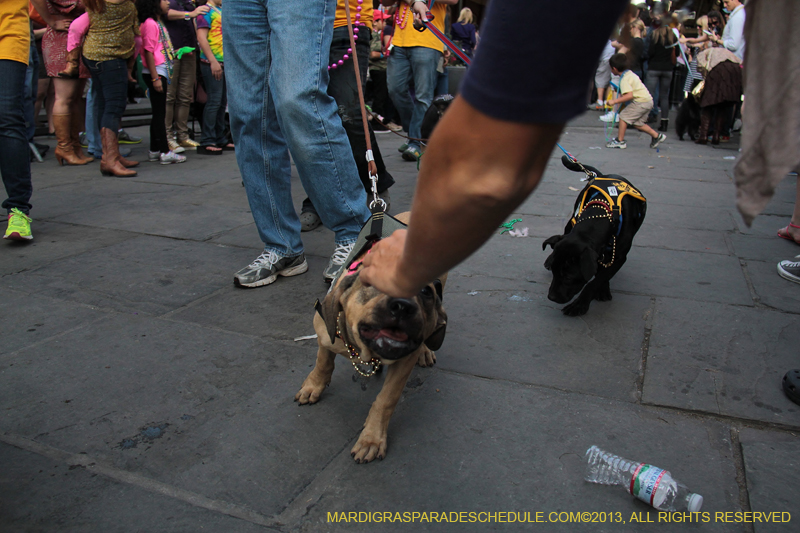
pixel 733 36
pixel 150 61
pixel 174 14
pixel 202 42
pixel 57 22
pixel 465 190
pixel 627 97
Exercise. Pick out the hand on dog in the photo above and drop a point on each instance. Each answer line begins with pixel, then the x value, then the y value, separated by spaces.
pixel 381 267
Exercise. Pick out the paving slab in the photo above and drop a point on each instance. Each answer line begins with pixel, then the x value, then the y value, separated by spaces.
pixel 147 274
pixel 459 443
pixel 196 408
pixel 771 289
pixel 736 371
pixel 762 248
pixel 41 494
pixel 33 319
pixel 771 463
pixel 53 242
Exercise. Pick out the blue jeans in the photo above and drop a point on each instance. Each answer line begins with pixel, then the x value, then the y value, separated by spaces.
pixel 31 89
pixel 416 63
pixel 214 110
pixel 15 163
pixel 95 145
pixel 276 55
pixel 109 90
pixel 657 82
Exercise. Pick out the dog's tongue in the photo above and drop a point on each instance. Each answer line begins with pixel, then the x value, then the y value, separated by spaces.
pixel 393 334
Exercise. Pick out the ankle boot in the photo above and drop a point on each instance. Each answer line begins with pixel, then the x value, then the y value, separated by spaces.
pixel 110 164
pixel 65 151
pixel 705 122
pixel 76 121
pixel 664 125
pixel 73 67
pixel 717 128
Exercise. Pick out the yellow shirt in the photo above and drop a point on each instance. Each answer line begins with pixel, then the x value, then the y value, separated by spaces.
pixel 630 83
pixel 15 30
pixel 341 14
pixel 408 36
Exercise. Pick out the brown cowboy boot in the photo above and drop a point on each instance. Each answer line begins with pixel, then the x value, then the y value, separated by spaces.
pixel 705 122
pixel 72 70
pixel 65 151
pixel 74 133
pixel 110 164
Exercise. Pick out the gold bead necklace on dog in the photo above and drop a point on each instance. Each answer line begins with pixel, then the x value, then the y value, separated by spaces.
pixel 606 214
pixel 355 357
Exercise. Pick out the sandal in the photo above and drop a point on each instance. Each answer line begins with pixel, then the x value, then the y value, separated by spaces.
pixel 783 233
pixel 205 150
pixel 227 147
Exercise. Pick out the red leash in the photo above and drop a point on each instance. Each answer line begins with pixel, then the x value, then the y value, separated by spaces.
pixel 442 37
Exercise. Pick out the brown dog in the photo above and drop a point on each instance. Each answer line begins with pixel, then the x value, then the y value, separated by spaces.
pixel 373 329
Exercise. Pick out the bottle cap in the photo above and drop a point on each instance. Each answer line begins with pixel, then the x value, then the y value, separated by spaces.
pixel 695 503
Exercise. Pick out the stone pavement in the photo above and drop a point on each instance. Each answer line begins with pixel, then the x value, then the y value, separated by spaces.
pixel 141 391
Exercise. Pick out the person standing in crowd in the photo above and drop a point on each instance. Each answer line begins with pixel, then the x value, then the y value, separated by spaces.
pixel 732 36
pixel 722 91
pixel 209 38
pixel 68 109
pixel 414 58
pixel 107 51
pixel 277 60
pixel 15 164
pixel 464 32
pixel 344 90
pixel 180 93
pixel 661 62
pixel 157 57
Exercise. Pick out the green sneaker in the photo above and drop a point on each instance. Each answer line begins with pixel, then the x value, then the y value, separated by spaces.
pixel 19 226
pixel 403 147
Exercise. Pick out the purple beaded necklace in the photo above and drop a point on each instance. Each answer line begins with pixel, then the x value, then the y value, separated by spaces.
pixel 356 24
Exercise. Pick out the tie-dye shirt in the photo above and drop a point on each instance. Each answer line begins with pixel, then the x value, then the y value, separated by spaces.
pixel 213 21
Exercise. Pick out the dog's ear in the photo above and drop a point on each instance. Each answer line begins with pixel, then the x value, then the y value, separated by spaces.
pixel 552 241
pixel 332 305
pixel 435 339
pixel 437 285
pixel 588 263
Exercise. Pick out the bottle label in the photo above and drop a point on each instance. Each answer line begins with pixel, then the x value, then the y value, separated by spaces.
pixel 645 481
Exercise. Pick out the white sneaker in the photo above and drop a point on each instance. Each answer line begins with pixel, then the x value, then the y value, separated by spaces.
pixel 610 116
pixel 336 263
pixel 153 156
pixel 171 157
pixel 175 147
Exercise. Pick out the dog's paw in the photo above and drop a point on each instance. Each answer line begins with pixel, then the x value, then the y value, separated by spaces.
pixel 309 392
pixel 576 308
pixel 369 446
pixel 426 358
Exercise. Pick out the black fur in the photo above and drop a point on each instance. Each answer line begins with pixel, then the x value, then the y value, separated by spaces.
pixel 688 119
pixel 576 254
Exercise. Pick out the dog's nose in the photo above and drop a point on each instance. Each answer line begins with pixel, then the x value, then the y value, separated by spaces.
pixel 401 307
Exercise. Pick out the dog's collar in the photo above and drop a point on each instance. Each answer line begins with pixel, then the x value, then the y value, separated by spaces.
pixel 372 366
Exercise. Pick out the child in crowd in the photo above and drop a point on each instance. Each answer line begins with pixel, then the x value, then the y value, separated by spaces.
pixel 157 55
pixel 639 104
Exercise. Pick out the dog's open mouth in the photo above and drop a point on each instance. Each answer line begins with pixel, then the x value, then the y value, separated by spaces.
pixel 388 342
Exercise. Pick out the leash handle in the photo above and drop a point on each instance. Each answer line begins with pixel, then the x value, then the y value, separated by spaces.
pixel 373 168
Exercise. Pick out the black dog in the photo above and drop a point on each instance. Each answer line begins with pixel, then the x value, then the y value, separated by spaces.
pixel 434 114
pixel 596 241
pixel 688 119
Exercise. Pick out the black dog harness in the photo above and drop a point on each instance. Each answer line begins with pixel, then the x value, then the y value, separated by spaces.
pixel 608 193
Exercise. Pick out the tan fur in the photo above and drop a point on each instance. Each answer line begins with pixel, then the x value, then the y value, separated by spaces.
pixel 355 304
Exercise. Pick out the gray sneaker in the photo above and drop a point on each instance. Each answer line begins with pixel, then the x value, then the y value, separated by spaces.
pixel 336 264
pixel 267 267
pixel 790 270
pixel 658 140
pixel 616 143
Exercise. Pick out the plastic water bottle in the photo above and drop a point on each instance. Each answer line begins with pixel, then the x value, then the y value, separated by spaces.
pixel 649 483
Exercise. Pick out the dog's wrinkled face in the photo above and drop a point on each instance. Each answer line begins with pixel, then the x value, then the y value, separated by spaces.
pixel 382 326
pixel 573 263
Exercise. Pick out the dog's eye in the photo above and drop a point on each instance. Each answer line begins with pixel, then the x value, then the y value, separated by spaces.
pixel 426 292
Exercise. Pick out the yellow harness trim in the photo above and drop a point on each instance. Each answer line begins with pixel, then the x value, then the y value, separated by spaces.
pixel 612 190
